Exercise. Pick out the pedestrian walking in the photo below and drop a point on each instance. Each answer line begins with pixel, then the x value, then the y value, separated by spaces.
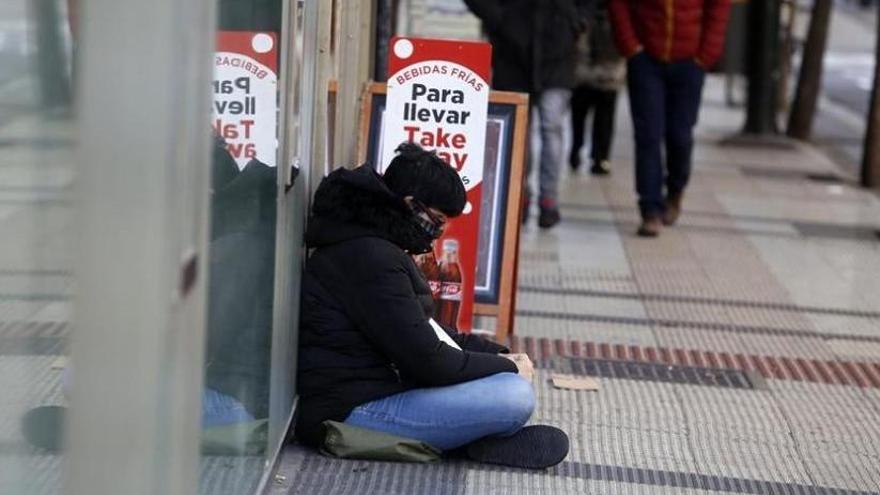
pixel 668 44
pixel 533 45
pixel 600 72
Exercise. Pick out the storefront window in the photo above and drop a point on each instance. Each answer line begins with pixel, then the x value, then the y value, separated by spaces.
pixel 249 348
pixel 236 401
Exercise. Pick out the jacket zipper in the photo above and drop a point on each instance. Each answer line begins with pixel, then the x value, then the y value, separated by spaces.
pixel 670 29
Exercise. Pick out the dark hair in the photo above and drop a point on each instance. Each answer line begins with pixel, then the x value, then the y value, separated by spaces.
pixel 427 178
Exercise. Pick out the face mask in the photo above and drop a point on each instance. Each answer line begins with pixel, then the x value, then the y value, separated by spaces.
pixel 432 227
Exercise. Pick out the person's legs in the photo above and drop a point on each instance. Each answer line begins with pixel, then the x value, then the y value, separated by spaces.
pixel 219 409
pixel 646 86
pixel 453 416
pixel 580 105
pixel 527 184
pixel 553 104
pixel 603 125
pixel 683 95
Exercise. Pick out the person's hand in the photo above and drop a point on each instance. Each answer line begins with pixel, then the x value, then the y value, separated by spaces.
pixel 524 365
pixel 639 51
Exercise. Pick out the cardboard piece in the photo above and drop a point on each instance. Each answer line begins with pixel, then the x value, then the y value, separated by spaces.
pixel 574 382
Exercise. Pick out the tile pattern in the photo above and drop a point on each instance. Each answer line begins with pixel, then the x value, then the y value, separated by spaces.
pixel 621 369
pixel 617 360
pixel 760 276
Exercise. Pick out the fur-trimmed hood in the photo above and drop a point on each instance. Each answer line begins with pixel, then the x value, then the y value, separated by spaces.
pixel 356 203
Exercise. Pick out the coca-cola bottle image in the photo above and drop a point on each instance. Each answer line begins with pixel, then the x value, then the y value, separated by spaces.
pixel 450 285
pixel 427 263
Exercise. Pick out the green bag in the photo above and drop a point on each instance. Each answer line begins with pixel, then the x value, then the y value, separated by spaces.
pixel 352 442
pixel 248 438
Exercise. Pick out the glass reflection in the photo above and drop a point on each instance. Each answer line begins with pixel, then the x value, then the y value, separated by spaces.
pixel 235 400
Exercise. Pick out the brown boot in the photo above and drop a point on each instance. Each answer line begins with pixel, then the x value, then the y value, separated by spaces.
pixel 650 226
pixel 673 208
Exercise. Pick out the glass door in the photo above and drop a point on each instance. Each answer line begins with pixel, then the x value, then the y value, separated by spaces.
pixel 258 206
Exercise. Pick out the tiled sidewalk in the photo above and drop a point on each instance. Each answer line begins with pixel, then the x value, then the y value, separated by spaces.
pixel 770 272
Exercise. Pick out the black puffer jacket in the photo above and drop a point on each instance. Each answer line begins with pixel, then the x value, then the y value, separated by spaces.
pixel 241 285
pixel 364 331
pixel 533 41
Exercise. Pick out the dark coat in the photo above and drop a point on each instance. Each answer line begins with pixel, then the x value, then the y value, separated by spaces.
pixel 241 285
pixel 364 331
pixel 533 41
pixel 599 64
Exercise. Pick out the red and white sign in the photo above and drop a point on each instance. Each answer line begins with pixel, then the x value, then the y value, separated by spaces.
pixel 438 97
pixel 244 110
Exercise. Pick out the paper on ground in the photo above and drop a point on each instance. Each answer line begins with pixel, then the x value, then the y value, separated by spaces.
pixel 574 382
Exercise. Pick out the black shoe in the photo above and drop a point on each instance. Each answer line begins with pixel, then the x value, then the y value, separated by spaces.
pixel 574 161
pixel 600 167
pixel 42 427
pixel 533 447
pixel 548 217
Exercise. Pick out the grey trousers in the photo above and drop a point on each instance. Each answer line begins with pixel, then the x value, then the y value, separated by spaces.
pixel 552 107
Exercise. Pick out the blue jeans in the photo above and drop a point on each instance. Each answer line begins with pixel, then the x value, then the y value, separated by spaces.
pixel 664 102
pixel 452 416
pixel 220 409
pixel 551 105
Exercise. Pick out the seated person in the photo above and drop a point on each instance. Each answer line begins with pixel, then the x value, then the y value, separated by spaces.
pixel 370 355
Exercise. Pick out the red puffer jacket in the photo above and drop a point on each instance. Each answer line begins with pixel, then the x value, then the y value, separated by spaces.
pixel 671 30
